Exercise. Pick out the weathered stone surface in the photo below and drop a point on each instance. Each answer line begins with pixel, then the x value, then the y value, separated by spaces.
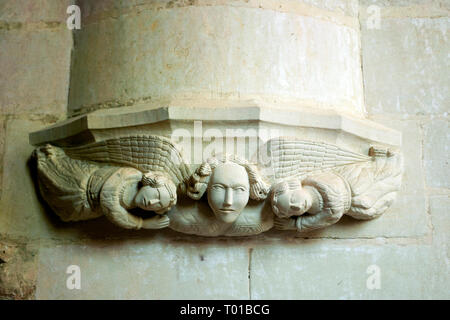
pixel 338 270
pixel 145 270
pixel 408 215
pixel 188 54
pixel 2 145
pixel 414 176
pixel 18 270
pixel 35 70
pixel 25 11
pixel 437 153
pixel 406 8
pixel 268 121
pixel 405 63
pixel 440 218
pixel 95 10
pixel 22 214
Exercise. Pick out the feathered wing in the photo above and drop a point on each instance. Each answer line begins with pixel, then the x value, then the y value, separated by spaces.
pixel 63 183
pixel 374 185
pixel 143 152
pixel 286 157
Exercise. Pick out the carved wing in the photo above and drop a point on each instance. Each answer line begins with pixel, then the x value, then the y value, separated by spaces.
pixel 286 157
pixel 143 152
pixel 374 185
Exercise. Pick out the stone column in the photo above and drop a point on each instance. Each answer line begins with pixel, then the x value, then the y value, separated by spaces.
pixel 285 54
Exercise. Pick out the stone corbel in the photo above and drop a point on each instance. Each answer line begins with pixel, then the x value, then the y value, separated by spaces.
pixel 134 174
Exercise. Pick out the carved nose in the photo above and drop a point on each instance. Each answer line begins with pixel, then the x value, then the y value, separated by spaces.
pixel 228 197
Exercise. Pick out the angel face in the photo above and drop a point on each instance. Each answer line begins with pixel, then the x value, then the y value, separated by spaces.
pixel 290 199
pixel 157 199
pixel 228 191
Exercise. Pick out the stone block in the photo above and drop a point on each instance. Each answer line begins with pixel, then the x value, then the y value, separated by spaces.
pixel 145 270
pixel 440 218
pixel 22 214
pixel 187 54
pixel 406 8
pixel 95 10
pixel 341 270
pixel 405 66
pixel 414 176
pixel 18 270
pixel 437 153
pixel 2 145
pixel 25 11
pixel 35 70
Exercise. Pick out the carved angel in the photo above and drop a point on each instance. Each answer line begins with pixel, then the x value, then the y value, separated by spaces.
pixel 80 190
pixel 146 153
pixel 229 182
pixel 361 190
pixel 290 157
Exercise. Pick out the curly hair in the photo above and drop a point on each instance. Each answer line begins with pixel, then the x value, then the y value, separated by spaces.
pixel 258 188
pixel 159 180
pixel 279 189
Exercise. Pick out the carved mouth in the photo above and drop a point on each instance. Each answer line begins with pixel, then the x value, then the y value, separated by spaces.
pixel 227 210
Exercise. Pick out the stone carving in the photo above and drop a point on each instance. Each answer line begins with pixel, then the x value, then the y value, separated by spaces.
pixel 363 191
pixel 287 158
pixel 80 190
pixel 230 183
pixel 144 152
pixel 294 184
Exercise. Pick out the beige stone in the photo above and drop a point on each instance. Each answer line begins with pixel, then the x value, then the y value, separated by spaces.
pixel 204 52
pixel 22 214
pixel 24 11
pixel 18 270
pixel 437 153
pixel 145 270
pixel 405 63
pixel 408 215
pixel 441 224
pixel 340 270
pixel 412 149
pixel 35 70
pixel 2 147
pixel 337 182
pixel 330 126
pixel 77 190
pixel 289 65
pixel 406 8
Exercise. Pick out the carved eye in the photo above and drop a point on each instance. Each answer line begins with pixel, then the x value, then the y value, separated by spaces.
pixel 240 189
pixel 217 187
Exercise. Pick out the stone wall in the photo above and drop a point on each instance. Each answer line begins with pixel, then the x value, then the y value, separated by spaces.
pixel 34 84
pixel 404 72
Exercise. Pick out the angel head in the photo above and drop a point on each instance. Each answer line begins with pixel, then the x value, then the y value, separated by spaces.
pixel 156 193
pixel 229 183
pixel 289 198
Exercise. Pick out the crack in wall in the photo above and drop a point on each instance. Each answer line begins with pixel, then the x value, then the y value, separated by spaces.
pixel 250 251
pixel 32 26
